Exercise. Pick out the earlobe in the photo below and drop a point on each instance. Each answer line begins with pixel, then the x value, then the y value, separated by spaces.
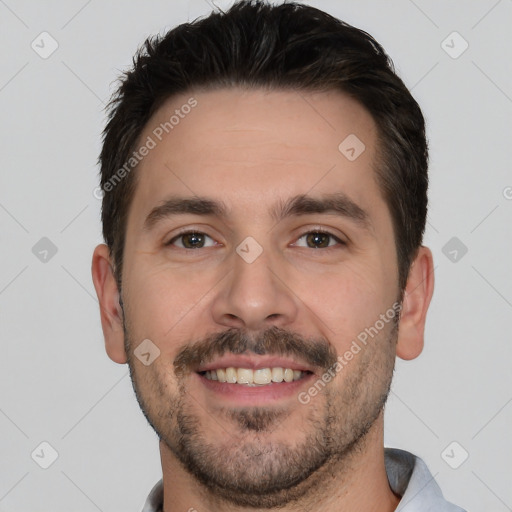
pixel 417 296
pixel 110 307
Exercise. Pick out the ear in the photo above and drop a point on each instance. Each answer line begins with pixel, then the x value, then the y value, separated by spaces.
pixel 417 295
pixel 110 309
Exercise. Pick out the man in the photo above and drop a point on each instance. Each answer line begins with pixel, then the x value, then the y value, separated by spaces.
pixel 265 179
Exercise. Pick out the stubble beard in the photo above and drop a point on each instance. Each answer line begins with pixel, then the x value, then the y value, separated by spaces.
pixel 249 469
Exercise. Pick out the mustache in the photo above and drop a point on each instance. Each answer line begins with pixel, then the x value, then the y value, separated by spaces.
pixel 273 341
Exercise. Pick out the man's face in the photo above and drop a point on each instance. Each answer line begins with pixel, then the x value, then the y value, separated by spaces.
pixel 260 286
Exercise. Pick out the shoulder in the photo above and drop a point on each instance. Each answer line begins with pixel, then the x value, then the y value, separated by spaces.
pixel 154 501
pixel 410 478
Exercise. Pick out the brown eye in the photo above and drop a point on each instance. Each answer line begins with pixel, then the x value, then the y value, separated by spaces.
pixel 191 240
pixel 319 240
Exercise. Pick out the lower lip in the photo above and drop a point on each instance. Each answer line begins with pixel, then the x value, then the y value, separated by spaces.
pixel 255 395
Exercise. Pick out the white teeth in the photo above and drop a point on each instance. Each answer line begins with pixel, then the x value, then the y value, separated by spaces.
pixel 262 376
pixel 277 375
pixel 249 377
pixel 246 376
pixel 231 375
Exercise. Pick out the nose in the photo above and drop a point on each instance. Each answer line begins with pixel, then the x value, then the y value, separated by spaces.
pixel 255 296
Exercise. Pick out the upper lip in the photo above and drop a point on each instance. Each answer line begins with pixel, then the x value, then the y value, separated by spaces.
pixel 253 362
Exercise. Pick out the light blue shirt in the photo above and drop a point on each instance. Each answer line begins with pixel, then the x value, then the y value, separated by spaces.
pixel 408 477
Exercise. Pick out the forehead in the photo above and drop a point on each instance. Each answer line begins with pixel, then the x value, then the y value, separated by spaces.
pixel 254 145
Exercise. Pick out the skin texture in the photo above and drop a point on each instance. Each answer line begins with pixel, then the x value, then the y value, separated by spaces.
pixel 252 150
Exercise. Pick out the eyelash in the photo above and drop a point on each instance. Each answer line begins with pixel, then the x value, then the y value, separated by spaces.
pixel 316 230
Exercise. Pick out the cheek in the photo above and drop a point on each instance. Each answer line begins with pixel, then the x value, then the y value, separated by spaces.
pixel 347 300
pixel 165 304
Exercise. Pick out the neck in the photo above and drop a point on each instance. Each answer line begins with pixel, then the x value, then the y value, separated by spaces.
pixel 357 483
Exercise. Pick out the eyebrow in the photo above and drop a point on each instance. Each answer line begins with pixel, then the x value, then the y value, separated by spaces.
pixel 337 204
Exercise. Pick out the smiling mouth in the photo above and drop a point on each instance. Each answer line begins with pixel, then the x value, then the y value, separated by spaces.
pixel 250 377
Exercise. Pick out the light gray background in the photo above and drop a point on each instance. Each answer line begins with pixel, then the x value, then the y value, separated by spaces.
pixel 58 385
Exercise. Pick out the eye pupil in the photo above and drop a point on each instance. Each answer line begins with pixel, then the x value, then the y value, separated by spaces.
pixel 318 239
pixel 193 240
